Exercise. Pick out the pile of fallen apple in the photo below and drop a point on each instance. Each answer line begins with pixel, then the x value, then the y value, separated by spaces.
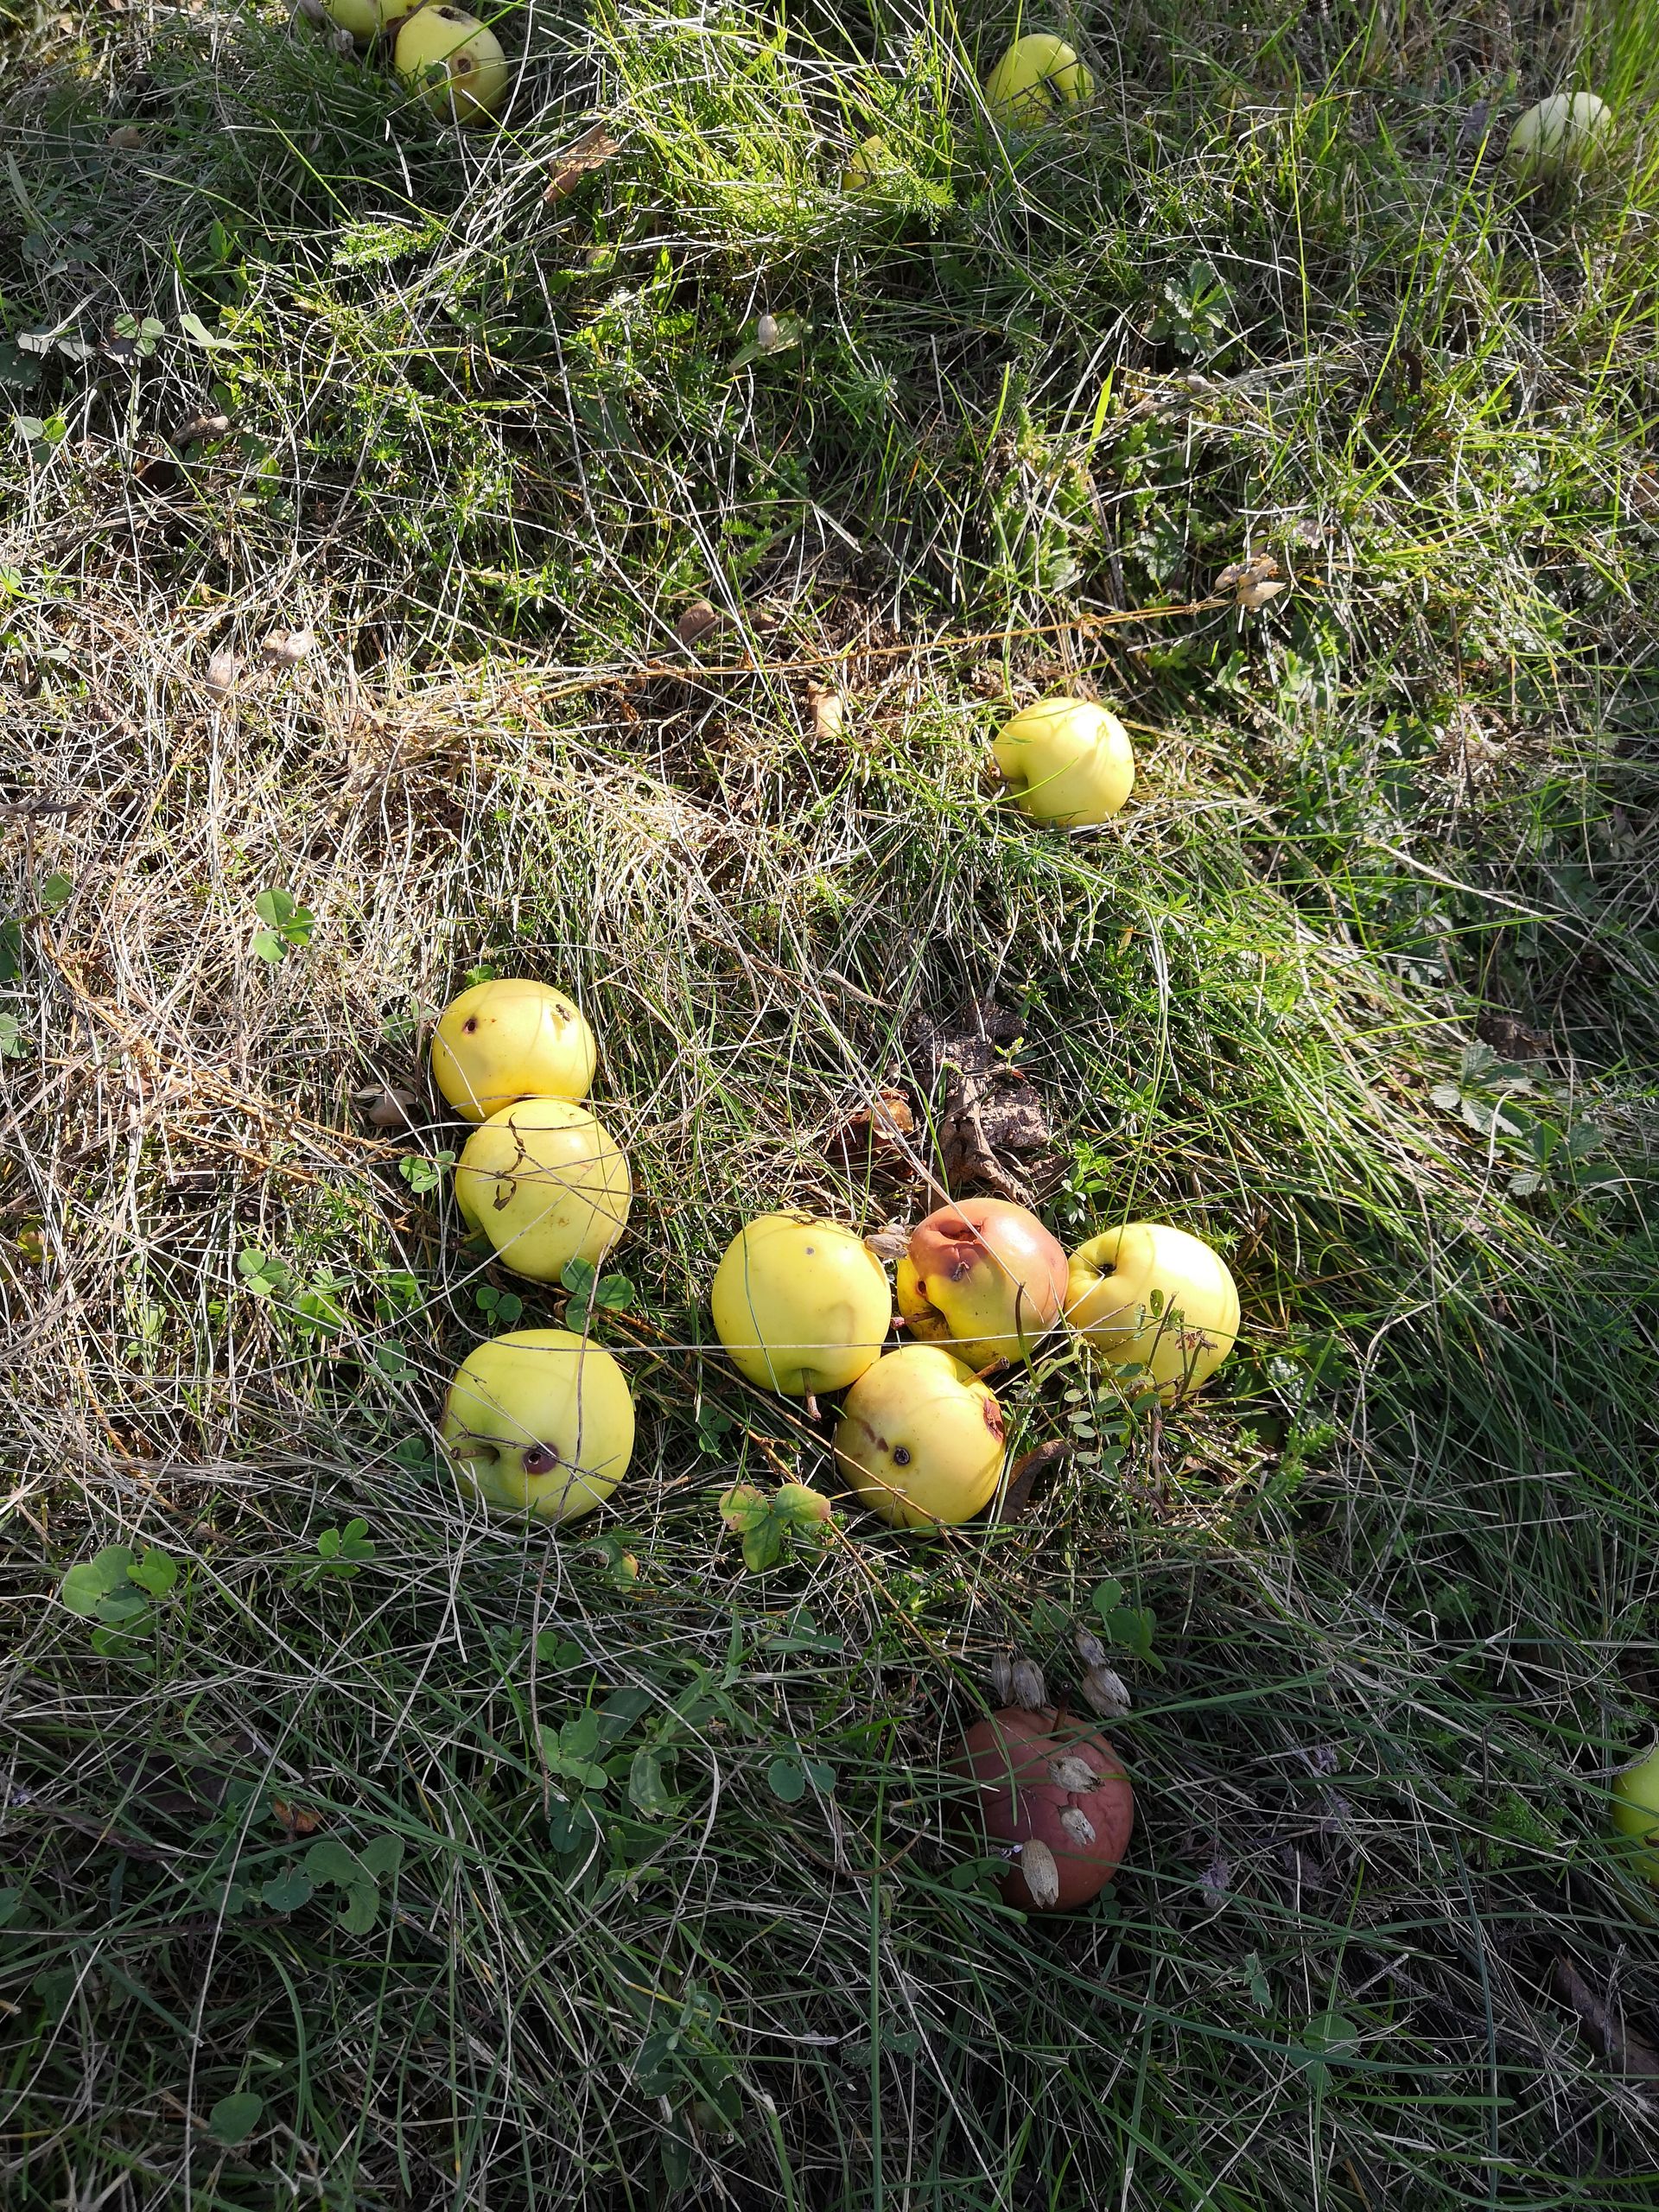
pixel 540 1422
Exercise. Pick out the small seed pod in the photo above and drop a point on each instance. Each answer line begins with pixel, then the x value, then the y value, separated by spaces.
pixel 1027 1685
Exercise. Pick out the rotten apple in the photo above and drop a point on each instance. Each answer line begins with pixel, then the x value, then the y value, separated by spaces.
pixel 1054 1799
pixel 984 1279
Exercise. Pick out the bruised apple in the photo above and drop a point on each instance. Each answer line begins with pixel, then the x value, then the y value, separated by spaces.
pixel 801 1306
pixel 920 1439
pixel 546 1184
pixel 541 1422
pixel 1066 762
pixel 1037 78
pixel 509 1039
pixel 1054 1799
pixel 454 62
pixel 983 1278
pixel 1153 1297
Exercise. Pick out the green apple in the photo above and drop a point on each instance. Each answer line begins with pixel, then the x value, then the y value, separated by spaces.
pixel 1037 78
pixel 546 1184
pixel 1560 134
pixel 801 1306
pixel 455 60
pixel 540 1422
pixel 920 1439
pixel 983 1278
pixel 1066 760
pixel 510 1039
pixel 1636 1811
pixel 1153 1297
pixel 366 19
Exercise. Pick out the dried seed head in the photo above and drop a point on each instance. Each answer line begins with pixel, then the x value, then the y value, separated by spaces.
pixel 1090 1650
pixel 1027 1685
pixel 288 648
pixel 222 672
pixel 1042 1874
pixel 1215 1882
pixel 1078 1824
pixel 129 138
pixel 1070 1772
pixel 891 1244
pixel 201 427
pixel 767 334
pixel 1105 1693
pixel 1002 1669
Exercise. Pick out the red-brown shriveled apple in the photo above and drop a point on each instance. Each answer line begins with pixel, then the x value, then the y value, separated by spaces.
pixel 1054 1797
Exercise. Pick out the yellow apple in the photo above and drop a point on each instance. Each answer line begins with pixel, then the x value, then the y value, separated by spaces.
pixel 1153 1297
pixel 546 1184
pixel 540 1423
pixel 869 159
pixel 1560 134
pixel 802 1306
pixel 508 1039
pixel 920 1439
pixel 455 61
pixel 1037 78
pixel 1636 1811
pixel 984 1278
pixel 366 19
pixel 1066 760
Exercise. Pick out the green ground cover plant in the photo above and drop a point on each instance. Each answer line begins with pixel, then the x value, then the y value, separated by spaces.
pixel 363 482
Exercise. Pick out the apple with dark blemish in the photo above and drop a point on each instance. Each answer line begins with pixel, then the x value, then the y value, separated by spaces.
pixel 920 1439
pixel 984 1279
pixel 1054 1799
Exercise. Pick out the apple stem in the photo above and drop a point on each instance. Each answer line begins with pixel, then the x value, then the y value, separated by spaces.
pixel 812 1408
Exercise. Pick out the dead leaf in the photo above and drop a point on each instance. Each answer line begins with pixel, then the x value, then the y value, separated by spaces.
pixel 1026 1473
pixel 129 138
pixel 1041 1872
pixel 385 1107
pixel 1253 594
pixel 889 1244
pixel 828 713
pixel 591 151
pixel 991 1127
pixel 876 1137
pixel 203 427
pixel 695 624
pixel 1626 2052
pixel 298 1820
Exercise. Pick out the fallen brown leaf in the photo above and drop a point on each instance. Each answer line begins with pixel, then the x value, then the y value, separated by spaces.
pixel 1625 2051
pixel 591 151
pixel 695 624
pixel 828 713
pixel 1027 1471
